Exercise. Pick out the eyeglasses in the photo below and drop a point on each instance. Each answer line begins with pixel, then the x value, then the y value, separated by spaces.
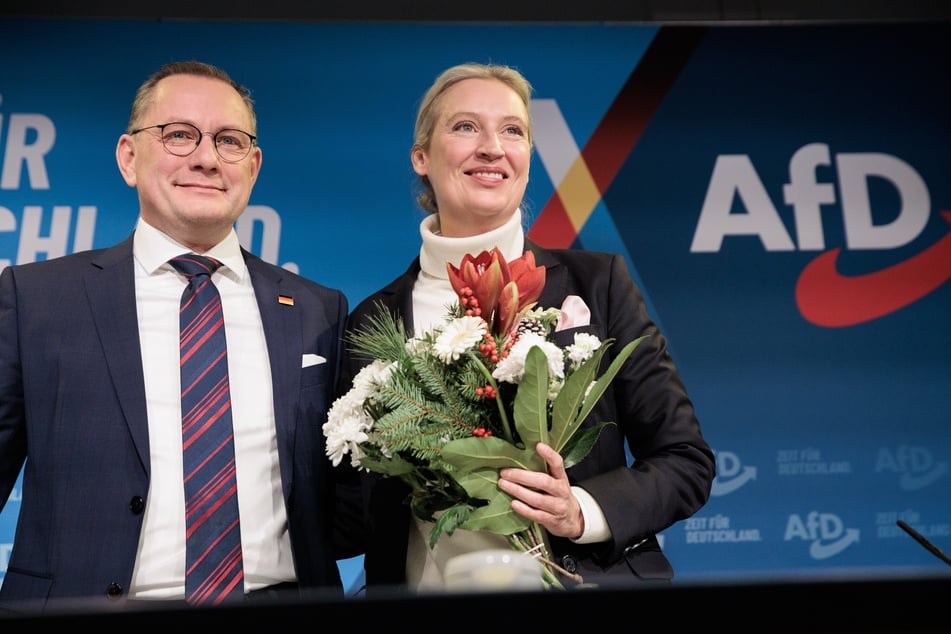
pixel 181 139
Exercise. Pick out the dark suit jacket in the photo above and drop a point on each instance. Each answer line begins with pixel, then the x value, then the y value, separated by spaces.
pixel 673 469
pixel 72 403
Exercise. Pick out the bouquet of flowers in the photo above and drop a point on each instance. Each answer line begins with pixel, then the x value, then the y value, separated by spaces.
pixel 446 409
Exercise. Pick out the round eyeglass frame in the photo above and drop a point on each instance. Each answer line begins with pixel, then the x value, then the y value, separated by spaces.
pixel 177 151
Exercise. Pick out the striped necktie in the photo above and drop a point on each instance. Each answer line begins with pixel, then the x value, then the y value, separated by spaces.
pixel 213 568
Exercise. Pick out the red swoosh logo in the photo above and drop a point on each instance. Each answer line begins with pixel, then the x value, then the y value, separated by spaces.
pixel 827 298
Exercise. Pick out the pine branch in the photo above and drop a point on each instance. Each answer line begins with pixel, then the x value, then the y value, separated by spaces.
pixel 383 337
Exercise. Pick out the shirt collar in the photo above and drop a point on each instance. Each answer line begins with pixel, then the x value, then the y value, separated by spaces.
pixel 153 249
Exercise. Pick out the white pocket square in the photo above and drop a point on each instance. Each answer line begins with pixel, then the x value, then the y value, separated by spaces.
pixel 311 359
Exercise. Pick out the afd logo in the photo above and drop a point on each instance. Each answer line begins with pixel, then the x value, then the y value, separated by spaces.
pixel 916 466
pixel 824 296
pixel 731 474
pixel 825 532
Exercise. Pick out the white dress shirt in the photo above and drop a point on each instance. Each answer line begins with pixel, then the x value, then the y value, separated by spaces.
pixel 265 544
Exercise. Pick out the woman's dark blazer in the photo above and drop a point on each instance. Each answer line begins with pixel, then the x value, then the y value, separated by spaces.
pixel 673 467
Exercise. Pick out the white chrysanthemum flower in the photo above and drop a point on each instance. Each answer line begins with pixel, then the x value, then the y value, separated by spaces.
pixel 512 368
pixel 346 427
pixel 373 438
pixel 418 346
pixel 581 350
pixel 372 376
pixel 458 336
pixel 348 423
pixel 556 360
pixel 350 404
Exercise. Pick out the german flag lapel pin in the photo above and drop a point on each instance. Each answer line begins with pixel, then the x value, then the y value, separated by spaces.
pixel 286 300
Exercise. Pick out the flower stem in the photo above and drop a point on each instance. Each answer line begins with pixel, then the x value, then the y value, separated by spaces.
pixel 506 427
pixel 532 541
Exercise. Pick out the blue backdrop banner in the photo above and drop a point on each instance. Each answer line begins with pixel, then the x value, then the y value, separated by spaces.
pixel 780 192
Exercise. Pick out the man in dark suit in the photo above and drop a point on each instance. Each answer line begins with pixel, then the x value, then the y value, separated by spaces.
pixel 90 388
pixel 471 150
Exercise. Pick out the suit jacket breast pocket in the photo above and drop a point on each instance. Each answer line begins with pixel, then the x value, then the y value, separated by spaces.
pixel 316 391
pixel 314 375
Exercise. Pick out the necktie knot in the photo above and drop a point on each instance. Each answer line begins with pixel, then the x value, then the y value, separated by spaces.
pixel 191 264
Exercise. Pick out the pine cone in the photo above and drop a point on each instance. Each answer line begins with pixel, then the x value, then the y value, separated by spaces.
pixel 532 325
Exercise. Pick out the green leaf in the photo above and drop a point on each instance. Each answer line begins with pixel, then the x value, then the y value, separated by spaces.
pixel 433 492
pixel 568 403
pixel 471 454
pixel 482 484
pixel 575 401
pixel 448 522
pixel 394 466
pixel 497 516
pixel 531 400
pixel 579 446
pixel 594 394
pixel 571 398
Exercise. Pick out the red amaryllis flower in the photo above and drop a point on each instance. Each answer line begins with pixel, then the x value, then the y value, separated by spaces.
pixel 497 290
pixel 478 282
pixel 521 292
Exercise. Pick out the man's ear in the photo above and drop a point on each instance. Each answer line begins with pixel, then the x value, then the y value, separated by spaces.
pixel 125 158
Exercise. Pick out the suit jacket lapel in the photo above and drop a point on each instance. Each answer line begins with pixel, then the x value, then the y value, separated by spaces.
pixel 556 281
pixel 282 332
pixel 397 296
pixel 110 288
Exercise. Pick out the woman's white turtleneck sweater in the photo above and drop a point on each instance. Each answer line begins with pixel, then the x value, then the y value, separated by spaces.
pixel 432 293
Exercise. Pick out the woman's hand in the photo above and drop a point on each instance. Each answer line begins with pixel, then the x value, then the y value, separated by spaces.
pixel 545 498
